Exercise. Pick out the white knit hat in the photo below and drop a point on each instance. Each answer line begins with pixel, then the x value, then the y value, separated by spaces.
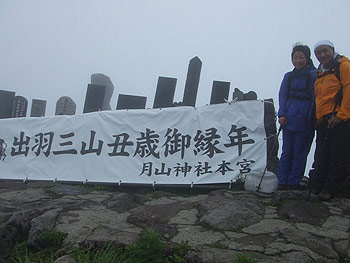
pixel 323 43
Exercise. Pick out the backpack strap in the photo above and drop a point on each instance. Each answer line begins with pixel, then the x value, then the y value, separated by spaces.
pixel 290 78
pixel 308 80
pixel 336 69
pixel 335 65
pixel 338 97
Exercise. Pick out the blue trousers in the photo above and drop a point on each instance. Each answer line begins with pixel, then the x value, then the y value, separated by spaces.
pixel 295 148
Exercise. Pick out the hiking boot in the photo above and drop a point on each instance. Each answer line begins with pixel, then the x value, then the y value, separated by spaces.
pixel 324 196
pixel 282 187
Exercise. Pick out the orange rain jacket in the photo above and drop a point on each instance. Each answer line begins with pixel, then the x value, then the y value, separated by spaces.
pixel 327 85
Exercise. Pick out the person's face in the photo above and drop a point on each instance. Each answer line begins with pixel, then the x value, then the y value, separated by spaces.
pixel 299 60
pixel 324 54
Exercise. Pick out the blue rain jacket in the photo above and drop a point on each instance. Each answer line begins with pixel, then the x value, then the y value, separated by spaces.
pixel 297 99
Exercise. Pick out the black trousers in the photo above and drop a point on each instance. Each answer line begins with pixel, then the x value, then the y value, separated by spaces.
pixel 332 157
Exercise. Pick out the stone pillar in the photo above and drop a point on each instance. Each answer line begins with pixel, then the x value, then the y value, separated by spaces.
pixel 192 82
pixel 238 95
pixel 165 92
pixel 95 95
pixel 6 103
pixel 103 80
pixel 20 105
pixel 219 92
pixel 270 130
pixel 126 102
pixel 65 106
pixel 38 108
pixel 251 95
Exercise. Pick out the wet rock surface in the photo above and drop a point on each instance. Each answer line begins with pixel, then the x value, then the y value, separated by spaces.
pixel 218 224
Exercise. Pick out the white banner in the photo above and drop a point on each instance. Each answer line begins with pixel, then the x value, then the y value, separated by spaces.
pixel 180 145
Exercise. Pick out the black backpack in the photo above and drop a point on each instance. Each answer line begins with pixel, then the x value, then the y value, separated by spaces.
pixel 308 80
pixel 339 95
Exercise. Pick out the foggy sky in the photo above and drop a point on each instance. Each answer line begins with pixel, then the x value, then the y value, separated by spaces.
pixel 49 49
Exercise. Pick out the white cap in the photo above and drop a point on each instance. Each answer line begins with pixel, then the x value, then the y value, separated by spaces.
pixel 323 43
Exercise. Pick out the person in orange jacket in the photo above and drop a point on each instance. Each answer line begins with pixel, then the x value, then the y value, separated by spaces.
pixel 332 98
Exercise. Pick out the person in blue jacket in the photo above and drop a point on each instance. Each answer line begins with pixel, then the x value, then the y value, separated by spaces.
pixel 296 117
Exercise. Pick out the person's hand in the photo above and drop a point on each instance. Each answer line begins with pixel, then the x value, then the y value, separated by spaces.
pixel 333 121
pixel 282 120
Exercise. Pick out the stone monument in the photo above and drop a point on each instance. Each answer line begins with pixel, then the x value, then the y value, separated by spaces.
pixel 20 105
pixel 94 98
pixel 250 95
pixel 38 108
pixel 192 82
pixel 6 103
pixel 103 80
pixel 99 93
pixel 238 95
pixel 65 106
pixel 219 92
pixel 126 102
pixel 270 118
pixel 165 92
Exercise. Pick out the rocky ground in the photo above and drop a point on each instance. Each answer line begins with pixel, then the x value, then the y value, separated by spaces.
pixel 217 223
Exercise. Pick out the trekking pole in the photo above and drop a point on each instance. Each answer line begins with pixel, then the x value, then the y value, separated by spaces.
pixel 269 157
